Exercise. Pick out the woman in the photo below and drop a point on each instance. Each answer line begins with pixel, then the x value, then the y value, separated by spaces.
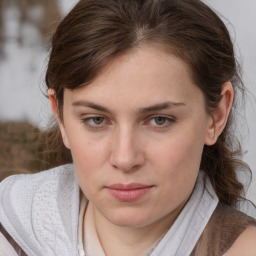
pixel 143 94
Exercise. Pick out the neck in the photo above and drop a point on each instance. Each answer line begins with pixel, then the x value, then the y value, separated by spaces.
pixel 130 240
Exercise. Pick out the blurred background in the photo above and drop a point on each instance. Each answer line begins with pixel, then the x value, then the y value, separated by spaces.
pixel 25 29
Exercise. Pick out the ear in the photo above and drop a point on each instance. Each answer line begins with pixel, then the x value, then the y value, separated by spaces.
pixel 55 110
pixel 219 117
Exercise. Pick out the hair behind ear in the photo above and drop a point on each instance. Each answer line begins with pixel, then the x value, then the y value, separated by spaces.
pixel 54 151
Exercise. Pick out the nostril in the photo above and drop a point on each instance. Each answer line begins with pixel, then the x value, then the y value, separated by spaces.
pixel 128 163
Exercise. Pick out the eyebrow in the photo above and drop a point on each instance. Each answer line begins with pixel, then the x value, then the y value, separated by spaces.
pixel 156 107
pixel 83 103
pixel 161 106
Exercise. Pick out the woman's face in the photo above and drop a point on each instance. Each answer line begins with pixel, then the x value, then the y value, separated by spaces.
pixel 136 134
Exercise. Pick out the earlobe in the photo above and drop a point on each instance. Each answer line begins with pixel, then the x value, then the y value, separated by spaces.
pixel 219 117
pixel 55 110
pixel 210 134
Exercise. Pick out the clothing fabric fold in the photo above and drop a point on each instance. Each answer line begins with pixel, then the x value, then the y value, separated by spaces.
pixel 40 211
pixel 183 235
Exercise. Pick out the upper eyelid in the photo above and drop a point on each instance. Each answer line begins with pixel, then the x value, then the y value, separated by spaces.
pixel 95 127
pixel 147 118
pixel 91 116
pixel 88 116
pixel 161 115
pixel 169 120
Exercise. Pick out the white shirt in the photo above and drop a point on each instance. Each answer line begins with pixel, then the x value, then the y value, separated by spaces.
pixel 179 240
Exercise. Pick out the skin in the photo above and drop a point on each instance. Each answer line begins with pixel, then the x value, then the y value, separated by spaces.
pixel 142 120
pixel 245 244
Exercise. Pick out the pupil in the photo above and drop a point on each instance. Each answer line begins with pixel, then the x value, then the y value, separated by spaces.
pixel 98 120
pixel 160 120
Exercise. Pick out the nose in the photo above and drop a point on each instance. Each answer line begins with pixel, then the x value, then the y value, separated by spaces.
pixel 127 152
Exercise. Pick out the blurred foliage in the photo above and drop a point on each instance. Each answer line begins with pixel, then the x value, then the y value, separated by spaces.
pixel 24 149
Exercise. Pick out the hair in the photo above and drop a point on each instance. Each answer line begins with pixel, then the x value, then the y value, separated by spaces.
pixel 96 31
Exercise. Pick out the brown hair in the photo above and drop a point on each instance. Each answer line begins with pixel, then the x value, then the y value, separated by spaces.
pixel 96 31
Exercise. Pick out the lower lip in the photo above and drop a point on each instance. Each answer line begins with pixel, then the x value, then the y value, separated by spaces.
pixel 129 195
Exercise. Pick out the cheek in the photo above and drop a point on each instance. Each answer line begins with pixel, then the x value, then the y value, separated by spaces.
pixel 87 161
pixel 85 148
pixel 179 153
pixel 177 163
pixel 88 156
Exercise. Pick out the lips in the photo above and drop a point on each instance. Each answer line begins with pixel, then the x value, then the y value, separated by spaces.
pixel 129 192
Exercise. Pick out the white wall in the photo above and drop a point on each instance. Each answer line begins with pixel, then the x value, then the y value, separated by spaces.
pixel 22 70
pixel 241 15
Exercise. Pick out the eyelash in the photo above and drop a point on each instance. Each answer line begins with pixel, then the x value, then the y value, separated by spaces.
pixel 167 122
pixel 86 121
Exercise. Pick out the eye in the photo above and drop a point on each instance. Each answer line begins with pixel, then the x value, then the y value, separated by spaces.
pixel 98 120
pixel 95 122
pixel 160 121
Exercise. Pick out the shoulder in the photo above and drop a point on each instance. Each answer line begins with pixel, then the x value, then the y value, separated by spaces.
pixel 24 187
pixel 245 244
pixel 61 172
pixel 20 193
pixel 38 210
pixel 229 232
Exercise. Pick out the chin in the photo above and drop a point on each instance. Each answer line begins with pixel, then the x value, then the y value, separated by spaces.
pixel 130 220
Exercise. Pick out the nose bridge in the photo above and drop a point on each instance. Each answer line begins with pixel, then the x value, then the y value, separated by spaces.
pixel 126 152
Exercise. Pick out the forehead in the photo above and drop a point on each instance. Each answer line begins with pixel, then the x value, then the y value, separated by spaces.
pixel 146 74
